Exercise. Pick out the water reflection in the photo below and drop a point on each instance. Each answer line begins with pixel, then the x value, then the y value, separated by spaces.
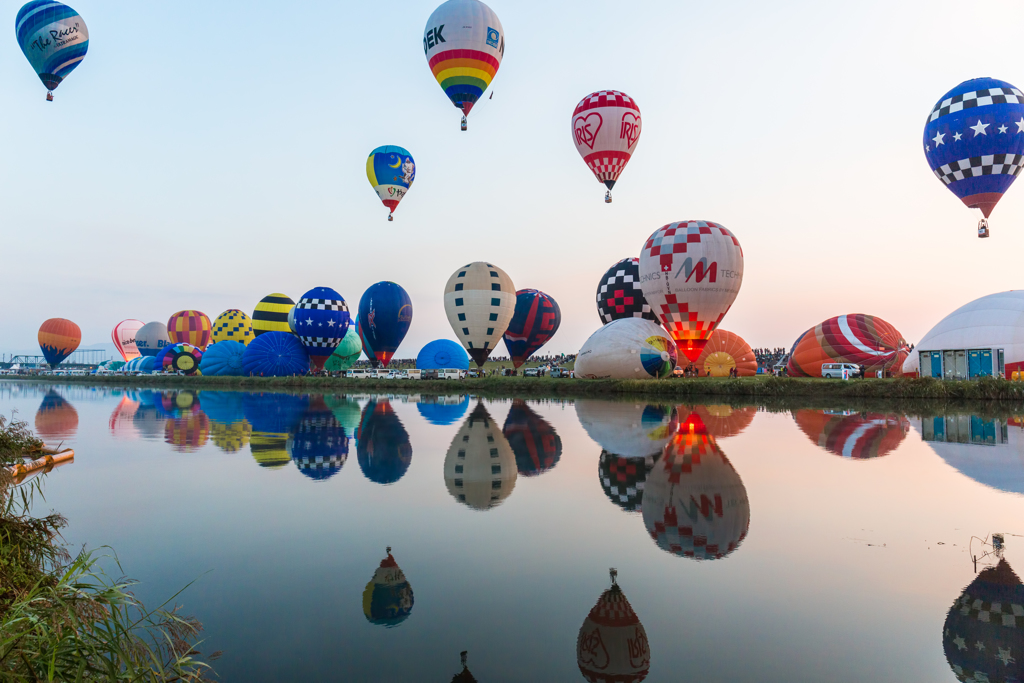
pixel 229 430
pixel 695 504
pixel 56 418
pixel 480 468
pixel 848 434
pixel 623 479
pixel 388 599
pixel 318 444
pixel 442 410
pixel 632 430
pixel 612 643
pixel 382 444
pixel 988 450
pixel 723 421
pixel 533 440
pixel 149 418
pixel 122 420
pixel 273 417
pixel 983 636
pixel 464 676
pixel 347 412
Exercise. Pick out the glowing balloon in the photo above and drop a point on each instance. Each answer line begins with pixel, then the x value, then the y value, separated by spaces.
pixel 58 339
pixel 612 643
pixel 388 598
pixel 223 359
pixel 534 322
pixel 855 338
pixel 275 354
pixel 627 348
pixel 619 294
pixel 189 327
pixel 54 39
pixel 123 336
pixel 152 339
pixel 232 325
pixel 479 300
pixel 605 128
pixel 271 314
pixel 464 43
pixel 385 314
pixel 391 171
pixel 347 353
pixel 441 354
pixel 726 351
pixel 691 272
pixel 320 320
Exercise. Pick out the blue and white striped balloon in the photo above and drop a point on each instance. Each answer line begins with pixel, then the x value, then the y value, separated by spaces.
pixel 54 39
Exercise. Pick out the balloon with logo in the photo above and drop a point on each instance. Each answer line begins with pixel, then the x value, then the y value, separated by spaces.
pixel 612 643
pixel 391 171
pixel 271 314
pixel 123 336
pixel 479 300
pixel 58 339
pixel 605 128
pixel 974 142
pixel 54 38
pixel 534 322
pixel 320 320
pixel 152 339
pixel 190 327
pixel 464 43
pixel 385 313
pixel 690 273
pixel 232 325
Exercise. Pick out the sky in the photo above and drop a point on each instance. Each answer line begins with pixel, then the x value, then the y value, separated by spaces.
pixel 205 155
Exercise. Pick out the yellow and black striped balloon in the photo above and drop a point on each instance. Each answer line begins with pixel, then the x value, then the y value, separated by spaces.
pixel 271 314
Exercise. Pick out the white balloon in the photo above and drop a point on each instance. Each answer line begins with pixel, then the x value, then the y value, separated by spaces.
pixel 123 336
pixel 627 348
pixel 479 301
pixel 480 467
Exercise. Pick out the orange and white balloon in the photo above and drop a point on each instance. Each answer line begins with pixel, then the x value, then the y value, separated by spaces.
pixel 690 273
pixel 606 127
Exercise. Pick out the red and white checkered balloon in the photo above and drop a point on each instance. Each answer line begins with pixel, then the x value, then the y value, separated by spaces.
pixel 690 273
pixel 605 129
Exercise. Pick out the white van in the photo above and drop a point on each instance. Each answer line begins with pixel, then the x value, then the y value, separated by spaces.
pixel 449 373
pixel 835 370
pixel 359 374
pixel 412 374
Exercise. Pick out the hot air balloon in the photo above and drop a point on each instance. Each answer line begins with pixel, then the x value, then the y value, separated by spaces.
pixel 223 359
pixel 347 412
pixel 365 344
pixel 318 445
pixel 184 358
pixel 443 410
pixel 479 300
pixel 271 314
pixel 320 320
pixel 534 322
pixel 695 504
pixel 385 313
pixel 982 636
pixel 442 354
pixel 391 171
pixel 691 272
pixel 152 339
pixel 58 339
pixel 859 436
pixel 232 325
pixel 347 353
pixel 223 407
pixel 190 327
pixel 612 643
pixel 619 294
pixel 627 348
pixel 147 363
pixel 725 352
pixel 382 444
pixel 623 479
pixel 534 442
pixel 464 43
pixel 974 142
pixel 275 354
pixel 54 39
pixel 855 338
pixel 56 419
pixel 273 417
pixel 388 599
pixel 605 128
pixel 480 467
pixel 123 336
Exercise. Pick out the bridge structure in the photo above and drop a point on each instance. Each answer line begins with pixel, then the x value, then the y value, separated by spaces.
pixel 81 358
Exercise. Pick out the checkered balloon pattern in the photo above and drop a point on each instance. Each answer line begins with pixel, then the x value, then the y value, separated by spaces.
pixel 232 325
pixel 319 445
pixel 606 129
pixel 623 479
pixel 619 294
pixel 320 320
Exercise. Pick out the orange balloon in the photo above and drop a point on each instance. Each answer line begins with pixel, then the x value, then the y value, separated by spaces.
pixel 855 338
pixel 58 339
pixel 723 352
pixel 723 420
pixel 859 436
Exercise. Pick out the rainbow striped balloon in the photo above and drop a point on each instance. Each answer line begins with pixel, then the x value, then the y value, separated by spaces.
pixel 464 43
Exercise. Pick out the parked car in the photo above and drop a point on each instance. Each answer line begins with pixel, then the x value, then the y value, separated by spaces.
pixel 412 374
pixel 559 372
pixel 835 370
pixel 450 373
pixel 358 374
pixel 531 372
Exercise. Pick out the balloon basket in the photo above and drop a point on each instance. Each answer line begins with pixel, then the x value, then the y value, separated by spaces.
pixel 608 197
pixel 49 97
pixel 465 124
pixel 391 217
pixel 983 228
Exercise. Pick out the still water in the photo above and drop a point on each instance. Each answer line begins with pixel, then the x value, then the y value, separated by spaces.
pixel 749 544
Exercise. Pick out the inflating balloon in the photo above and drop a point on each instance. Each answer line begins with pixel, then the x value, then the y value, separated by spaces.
pixel 391 171
pixel 189 327
pixel 385 313
pixel 123 336
pixel 54 39
pixel 275 354
pixel 691 272
pixel 232 325
pixel 58 339
pixel 534 322
pixel 388 598
pixel 605 128
pixel 619 294
pixel 271 314
pixel 974 142
pixel 152 339
pixel 320 320
pixel 479 300
pixel 183 358
pixel 724 353
pixel 464 43
pixel 856 338
pixel 858 436
pixel 223 359
pixel 347 353
pixel 442 354
pixel 627 348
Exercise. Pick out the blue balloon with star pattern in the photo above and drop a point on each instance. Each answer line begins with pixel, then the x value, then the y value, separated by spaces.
pixel 320 320
pixel 974 140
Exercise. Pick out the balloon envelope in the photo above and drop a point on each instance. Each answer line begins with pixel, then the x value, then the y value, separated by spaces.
pixel 627 348
pixel 464 43
pixel 859 436
pixel 534 322
pixel 385 313
pixel 479 300
pixel 56 419
pixel 275 354
pixel 442 354
pixel 388 598
pixel 319 444
pixel 189 327
pixel 382 444
pixel 271 314
pixel 347 353
pixel 443 410
pixel 184 358
pixel 58 339
pixel 223 359
pixel 855 338
pixel 152 339
pixel 619 294
pixel 534 442
pixel 123 336
pixel 612 643
pixel 53 37
pixel 391 171
pixel 605 129
pixel 232 325
pixel 726 351
pixel 321 320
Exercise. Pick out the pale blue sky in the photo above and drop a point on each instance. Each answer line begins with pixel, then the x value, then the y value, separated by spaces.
pixel 207 154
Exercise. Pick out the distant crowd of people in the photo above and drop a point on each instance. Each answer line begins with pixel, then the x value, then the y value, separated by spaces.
pixel 767 359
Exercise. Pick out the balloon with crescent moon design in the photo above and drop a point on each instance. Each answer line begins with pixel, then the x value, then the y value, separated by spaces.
pixel 391 171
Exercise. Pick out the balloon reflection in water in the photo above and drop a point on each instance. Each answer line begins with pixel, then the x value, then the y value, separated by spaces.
pixel 853 435
pixel 623 479
pixel 464 676
pixel 443 410
pixel 983 636
pixel 695 504
pixel 149 417
pixel 723 421
pixel 382 444
pixel 388 599
pixel 612 643
pixel 988 450
pixel 273 417
pixel 188 428
pixel 632 430
pixel 318 445
pixel 533 440
pixel 480 468
pixel 122 420
pixel 56 418
pixel 347 412
pixel 229 430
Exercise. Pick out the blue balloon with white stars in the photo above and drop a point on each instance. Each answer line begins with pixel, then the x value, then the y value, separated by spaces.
pixel 974 140
pixel 320 320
